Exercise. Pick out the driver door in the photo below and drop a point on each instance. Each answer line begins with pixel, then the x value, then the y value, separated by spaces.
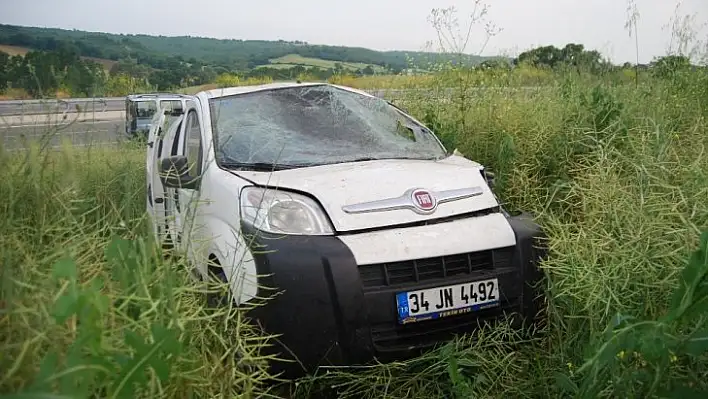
pixel 160 140
pixel 182 205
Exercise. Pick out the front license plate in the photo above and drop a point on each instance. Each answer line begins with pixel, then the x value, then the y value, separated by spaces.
pixel 433 303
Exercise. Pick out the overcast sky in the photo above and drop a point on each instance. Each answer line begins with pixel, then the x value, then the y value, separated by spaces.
pixel 376 24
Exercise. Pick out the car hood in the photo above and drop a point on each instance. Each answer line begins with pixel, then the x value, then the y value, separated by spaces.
pixel 339 185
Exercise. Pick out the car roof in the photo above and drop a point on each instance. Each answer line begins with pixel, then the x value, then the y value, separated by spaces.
pixel 231 91
pixel 161 96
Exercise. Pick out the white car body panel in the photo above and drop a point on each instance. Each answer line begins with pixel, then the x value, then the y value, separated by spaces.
pixel 351 183
pixel 455 237
pixel 153 183
pixel 231 91
pixel 215 230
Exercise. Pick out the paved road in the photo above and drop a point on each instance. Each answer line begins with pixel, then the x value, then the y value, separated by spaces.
pixel 98 121
pixel 54 131
pixel 106 104
pixel 70 105
pixel 53 123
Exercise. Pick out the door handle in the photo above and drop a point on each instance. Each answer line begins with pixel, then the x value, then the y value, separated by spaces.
pixel 159 200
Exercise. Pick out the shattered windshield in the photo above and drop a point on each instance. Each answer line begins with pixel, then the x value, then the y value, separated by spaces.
pixel 314 125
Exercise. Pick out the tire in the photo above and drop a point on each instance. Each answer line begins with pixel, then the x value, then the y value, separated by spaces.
pixel 216 299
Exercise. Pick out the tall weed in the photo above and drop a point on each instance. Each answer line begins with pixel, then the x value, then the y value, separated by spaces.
pixel 90 306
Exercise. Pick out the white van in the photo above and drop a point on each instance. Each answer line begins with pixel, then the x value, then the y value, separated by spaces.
pixel 141 111
pixel 380 241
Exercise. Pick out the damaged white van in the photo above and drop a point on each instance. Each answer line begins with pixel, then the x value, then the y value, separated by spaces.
pixel 380 241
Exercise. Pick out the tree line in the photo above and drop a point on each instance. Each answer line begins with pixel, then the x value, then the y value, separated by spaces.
pixel 44 72
pixel 239 55
pixel 575 57
pixel 64 68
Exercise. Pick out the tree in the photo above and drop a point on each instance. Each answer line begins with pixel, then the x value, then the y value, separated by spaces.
pixel 121 85
pixel 4 71
pixel 670 65
pixel 129 66
pixel 572 55
pixel 85 78
pixel 42 73
pixel 500 63
pixel 39 73
pixel 544 56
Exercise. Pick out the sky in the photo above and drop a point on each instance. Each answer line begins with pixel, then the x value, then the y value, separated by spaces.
pixel 379 24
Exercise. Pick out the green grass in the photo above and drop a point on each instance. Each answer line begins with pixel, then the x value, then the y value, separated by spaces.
pixel 616 175
pixel 89 305
pixel 292 60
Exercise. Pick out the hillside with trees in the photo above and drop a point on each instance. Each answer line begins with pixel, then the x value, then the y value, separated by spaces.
pixel 78 63
pixel 232 54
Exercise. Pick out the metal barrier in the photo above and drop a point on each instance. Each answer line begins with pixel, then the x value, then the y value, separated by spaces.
pixel 87 105
pixel 61 106
pixel 66 106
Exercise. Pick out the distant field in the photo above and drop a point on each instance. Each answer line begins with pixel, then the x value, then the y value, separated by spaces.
pixel 196 89
pixel 107 64
pixel 16 50
pixel 292 60
pixel 13 50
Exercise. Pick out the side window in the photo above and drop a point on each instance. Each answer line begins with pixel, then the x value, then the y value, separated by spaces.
pixel 171 105
pixel 175 142
pixel 193 145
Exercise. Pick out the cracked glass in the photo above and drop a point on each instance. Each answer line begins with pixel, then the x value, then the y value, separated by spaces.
pixel 315 125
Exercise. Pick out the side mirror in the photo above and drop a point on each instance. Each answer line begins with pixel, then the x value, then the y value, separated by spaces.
pixel 174 173
pixel 488 177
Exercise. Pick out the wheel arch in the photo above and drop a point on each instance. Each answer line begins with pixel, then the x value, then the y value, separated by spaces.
pixel 228 253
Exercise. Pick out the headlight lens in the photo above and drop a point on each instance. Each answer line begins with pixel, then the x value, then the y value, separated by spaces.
pixel 283 212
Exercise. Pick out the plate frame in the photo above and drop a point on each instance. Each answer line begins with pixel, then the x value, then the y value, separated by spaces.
pixel 402 297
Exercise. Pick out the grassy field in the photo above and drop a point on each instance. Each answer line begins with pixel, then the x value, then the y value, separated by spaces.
pixel 291 60
pixel 13 50
pixel 616 174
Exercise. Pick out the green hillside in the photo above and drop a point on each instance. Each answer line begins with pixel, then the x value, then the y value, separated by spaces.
pixel 293 60
pixel 159 51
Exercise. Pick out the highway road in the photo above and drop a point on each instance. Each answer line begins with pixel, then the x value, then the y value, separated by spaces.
pixel 95 105
pixel 78 130
pixel 109 104
pixel 79 122
pixel 86 121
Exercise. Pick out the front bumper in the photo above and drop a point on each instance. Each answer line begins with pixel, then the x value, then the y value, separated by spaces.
pixel 332 311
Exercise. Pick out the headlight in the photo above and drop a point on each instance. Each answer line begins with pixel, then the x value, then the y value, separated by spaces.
pixel 283 212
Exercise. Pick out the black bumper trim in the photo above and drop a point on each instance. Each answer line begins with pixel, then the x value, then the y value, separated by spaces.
pixel 326 317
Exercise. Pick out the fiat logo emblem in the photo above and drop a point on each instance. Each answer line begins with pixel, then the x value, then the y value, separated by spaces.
pixel 424 200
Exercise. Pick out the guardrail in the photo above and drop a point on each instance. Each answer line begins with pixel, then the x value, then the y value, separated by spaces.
pixel 103 104
pixel 89 105
pixel 61 106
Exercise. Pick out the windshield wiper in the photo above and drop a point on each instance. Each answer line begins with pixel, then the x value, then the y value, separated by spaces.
pixel 257 166
pixel 364 159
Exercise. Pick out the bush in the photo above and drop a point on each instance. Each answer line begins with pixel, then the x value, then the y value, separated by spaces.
pixel 615 174
pixel 90 307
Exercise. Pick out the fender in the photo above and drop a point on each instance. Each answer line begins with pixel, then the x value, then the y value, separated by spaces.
pixel 235 258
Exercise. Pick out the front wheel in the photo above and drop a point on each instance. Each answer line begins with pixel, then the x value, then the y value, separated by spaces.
pixel 218 292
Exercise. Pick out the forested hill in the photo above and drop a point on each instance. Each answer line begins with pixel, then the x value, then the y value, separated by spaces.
pixel 157 51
